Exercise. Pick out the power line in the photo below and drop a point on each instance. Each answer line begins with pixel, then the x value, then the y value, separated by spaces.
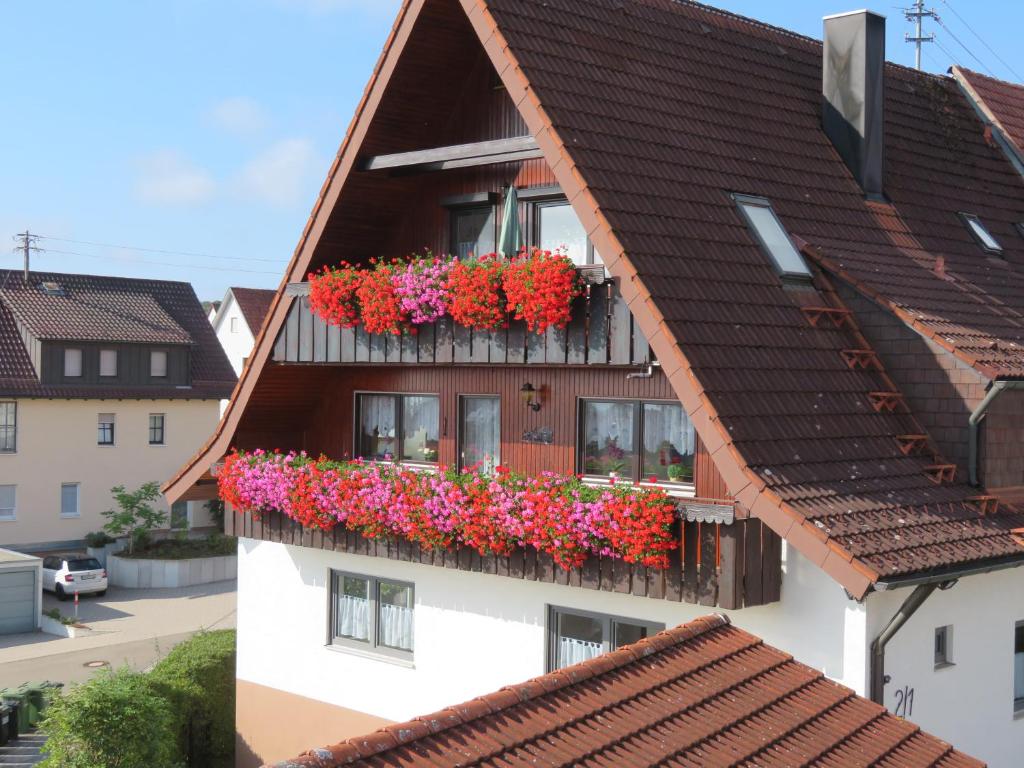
pixel 982 41
pixel 952 58
pixel 163 263
pixel 917 14
pixel 961 44
pixel 156 250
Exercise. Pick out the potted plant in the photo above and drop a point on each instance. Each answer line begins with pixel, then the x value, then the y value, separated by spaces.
pixel 99 545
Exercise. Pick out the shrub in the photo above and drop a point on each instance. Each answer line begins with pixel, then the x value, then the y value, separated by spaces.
pixel 98 539
pixel 116 720
pixel 197 679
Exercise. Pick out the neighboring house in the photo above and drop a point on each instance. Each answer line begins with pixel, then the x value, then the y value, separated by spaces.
pixel 104 381
pixel 238 320
pixel 1001 106
pixel 816 284
pixel 701 694
pixel 210 308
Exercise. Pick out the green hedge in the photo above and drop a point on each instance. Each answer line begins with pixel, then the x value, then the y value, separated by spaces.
pixel 115 720
pixel 182 713
pixel 198 680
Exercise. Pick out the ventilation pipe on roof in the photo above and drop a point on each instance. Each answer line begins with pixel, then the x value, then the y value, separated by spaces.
pixel 853 93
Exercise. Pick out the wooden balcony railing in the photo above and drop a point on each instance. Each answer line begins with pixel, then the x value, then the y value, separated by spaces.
pixel 602 332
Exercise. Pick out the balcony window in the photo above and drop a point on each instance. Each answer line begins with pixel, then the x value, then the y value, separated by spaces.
pixel 8 427
pixel 480 432
pixel 158 364
pixel 473 231
pixel 105 429
pixel 579 635
pixel 636 441
pixel 772 236
pixel 156 428
pixel 108 362
pixel 72 363
pixel 398 427
pixel 557 227
pixel 372 614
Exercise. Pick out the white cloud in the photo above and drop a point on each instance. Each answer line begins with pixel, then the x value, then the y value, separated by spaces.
pixel 168 177
pixel 279 175
pixel 239 116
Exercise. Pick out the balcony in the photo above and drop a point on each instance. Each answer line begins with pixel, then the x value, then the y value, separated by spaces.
pixel 602 332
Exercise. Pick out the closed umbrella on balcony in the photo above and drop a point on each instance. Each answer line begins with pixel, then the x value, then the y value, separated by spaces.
pixel 511 239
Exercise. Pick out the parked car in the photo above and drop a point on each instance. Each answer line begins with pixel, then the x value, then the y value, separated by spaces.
pixel 66 574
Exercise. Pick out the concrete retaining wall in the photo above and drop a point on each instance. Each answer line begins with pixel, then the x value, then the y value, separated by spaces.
pixel 149 574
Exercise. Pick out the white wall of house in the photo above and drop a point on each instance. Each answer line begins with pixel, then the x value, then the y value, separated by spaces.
pixel 970 703
pixel 57 444
pixel 476 633
pixel 233 332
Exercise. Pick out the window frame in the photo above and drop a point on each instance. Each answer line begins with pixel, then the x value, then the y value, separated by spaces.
pixel 533 224
pixel 944 657
pixel 81 362
pixel 188 517
pixel 637 478
pixel 162 428
pixel 357 426
pixel 113 375
pixel 372 646
pixel 742 201
pixel 1018 703
pixel 78 500
pixel 113 429
pixel 9 426
pixel 233 325
pixel 608 622
pixel 460 431
pixel 459 209
pixel 13 516
pixel 974 223
pixel 152 356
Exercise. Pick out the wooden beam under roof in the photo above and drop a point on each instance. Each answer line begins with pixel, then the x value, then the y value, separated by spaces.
pixel 455 156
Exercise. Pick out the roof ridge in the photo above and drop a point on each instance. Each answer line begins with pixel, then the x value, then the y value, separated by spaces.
pixel 974 72
pixel 43 274
pixel 756 23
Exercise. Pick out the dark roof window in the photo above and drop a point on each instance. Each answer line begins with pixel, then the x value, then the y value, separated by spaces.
pixel 773 237
pixel 51 288
pixel 981 233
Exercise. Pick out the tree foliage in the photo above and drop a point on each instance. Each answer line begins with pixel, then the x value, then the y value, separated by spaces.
pixel 135 515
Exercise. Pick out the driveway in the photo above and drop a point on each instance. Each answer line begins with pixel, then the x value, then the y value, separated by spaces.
pixel 136 627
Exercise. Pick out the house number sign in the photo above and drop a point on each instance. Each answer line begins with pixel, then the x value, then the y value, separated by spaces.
pixel 542 436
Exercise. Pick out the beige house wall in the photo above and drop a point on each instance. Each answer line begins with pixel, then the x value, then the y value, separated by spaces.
pixel 56 443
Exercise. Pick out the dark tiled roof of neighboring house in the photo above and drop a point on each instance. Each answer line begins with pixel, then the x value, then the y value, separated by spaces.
pixel 254 303
pixel 702 694
pixel 1000 101
pixel 92 308
pixel 664 108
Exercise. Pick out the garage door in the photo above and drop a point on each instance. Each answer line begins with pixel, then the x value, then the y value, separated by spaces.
pixel 17 601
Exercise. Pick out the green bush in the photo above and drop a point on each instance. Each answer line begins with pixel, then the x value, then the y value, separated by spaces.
pixel 98 539
pixel 116 720
pixel 198 681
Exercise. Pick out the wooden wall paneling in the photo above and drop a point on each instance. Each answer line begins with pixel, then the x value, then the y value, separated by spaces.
pixel 499 346
pixel 515 352
pixel 319 339
pixel 674 575
pixel 480 347
pixel 576 333
pixel 771 565
pixel 620 342
pixel 463 339
pixel 333 351
pixel 362 345
pixel 607 571
pixel 291 328
pixel 410 348
pixel 597 327
pixel 556 343
pixel 536 348
pixel 305 329
pixel 707 582
pixel 730 580
pixel 281 343
pixel 753 590
pixel 425 344
pixel 691 544
pixel 639 578
pixel 348 345
pixel 641 353
pixel 444 341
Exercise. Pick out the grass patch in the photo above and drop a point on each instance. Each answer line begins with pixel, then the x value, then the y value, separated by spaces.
pixel 185 549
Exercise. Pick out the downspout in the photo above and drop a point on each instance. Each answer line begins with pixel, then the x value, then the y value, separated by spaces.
pixel 974 424
pixel 916 599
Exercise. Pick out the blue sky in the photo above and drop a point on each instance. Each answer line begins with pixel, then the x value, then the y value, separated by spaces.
pixel 207 127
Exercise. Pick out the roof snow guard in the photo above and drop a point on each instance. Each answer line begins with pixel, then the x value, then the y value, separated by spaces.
pixel 652 115
pixel 704 693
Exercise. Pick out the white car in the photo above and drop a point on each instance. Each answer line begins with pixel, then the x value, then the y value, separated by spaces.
pixel 65 575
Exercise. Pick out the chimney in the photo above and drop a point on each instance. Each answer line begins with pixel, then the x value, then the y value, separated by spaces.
pixel 853 94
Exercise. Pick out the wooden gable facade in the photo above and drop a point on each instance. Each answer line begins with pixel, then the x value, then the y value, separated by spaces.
pixel 445 104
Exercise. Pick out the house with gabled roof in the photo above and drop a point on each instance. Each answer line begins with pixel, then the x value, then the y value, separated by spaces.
pixel 804 276
pixel 238 319
pixel 104 381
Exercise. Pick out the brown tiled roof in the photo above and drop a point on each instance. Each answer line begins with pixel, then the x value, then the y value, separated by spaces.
pixel 1000 101
pixel 702 694
pixel 254 303
pixel 663 109
pixel 114 309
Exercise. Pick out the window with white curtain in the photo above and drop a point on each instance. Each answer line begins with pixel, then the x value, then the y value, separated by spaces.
pixel 398 427
pixel 108 362
pixel 8 501
pixel 372 613
pixel 579 635
pixel 158 363
pixel 480 432
pixel 72 363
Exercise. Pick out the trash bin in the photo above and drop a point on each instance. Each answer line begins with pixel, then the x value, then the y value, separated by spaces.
pixel 15 697
pixel 5 724
pixel 32 694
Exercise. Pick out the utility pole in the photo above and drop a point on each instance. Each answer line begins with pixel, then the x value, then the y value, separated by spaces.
pixel 26 244
pixel 916 15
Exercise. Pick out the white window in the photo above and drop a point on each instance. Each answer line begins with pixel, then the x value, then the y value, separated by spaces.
pixel 105 429
pixel 72 362
pixel 579 635
pixel 556 226
pixel 480 432
pixel 8 427
pixel 69 499
pixel 1018 667
pixel 234 325
pixel 108 362
pixel 772 236
pixel 372 614
pixel 981 233
pixel 943 646
pixel 8 501
pixel 157 363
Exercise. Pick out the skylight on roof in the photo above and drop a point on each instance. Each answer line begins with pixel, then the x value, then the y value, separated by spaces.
pixel 51 288
pixel 981 234
pixel 773 237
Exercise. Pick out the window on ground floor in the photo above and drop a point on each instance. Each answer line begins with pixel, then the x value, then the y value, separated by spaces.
pixel 576 635
pixel 636 440
pixel 179 516
pixel 943 646
pixel 8 501
pixel 480 431
pixel 69 493
pixel 372 614
pixel 398 427
pixel 1018 667
pixel 8 427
